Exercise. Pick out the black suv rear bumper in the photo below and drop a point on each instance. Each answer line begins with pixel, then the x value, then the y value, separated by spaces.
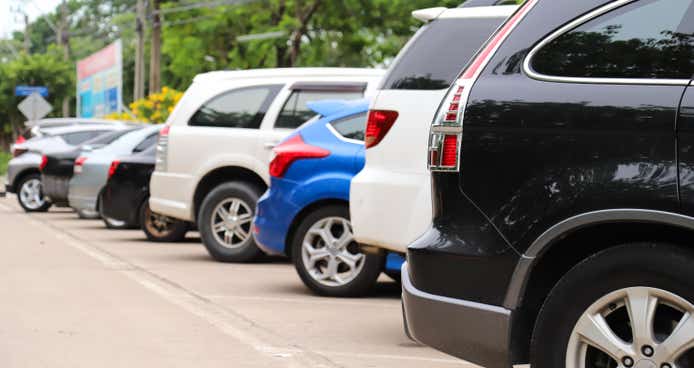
pixel 476 332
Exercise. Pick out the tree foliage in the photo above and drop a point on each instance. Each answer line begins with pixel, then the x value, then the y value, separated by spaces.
pixel 354 33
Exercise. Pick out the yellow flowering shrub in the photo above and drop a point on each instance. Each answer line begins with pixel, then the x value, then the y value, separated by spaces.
pixel 157 107
pixel 122 116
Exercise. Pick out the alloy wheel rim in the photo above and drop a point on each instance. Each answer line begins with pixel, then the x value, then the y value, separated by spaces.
pixel 231 222
pixel 31 194
pixel 158 225
pixel 329 252
pixel 638 327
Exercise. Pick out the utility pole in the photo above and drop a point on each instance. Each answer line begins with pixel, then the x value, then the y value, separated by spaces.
pixel 139 87
pixel 64 40
pixel 27 43
pixel 155 61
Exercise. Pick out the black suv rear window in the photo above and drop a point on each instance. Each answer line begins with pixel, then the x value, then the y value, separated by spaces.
pixel 438 52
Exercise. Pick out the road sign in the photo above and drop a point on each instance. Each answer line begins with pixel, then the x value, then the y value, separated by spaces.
pixel 34 107
pixel 21 91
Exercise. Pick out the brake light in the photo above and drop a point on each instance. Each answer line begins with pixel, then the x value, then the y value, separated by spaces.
pixel 446 135
pixel 378 125
pixel 112 169
pixel 44 162
pixel 162 149
pixel 291 150
pixel 79 163
pixel 164 132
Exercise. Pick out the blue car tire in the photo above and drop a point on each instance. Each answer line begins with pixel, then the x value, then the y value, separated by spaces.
pixel 327 258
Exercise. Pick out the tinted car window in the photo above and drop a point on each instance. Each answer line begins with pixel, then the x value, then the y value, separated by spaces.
pixel 80 137
pixel 645 39
pixel 438 52
pixel 295 112
pixel 351 127
pixel 240 108
pixel 109 137
pixel 148 142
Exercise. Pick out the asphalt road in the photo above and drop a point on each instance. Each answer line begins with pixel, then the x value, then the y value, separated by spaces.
pixel 74 294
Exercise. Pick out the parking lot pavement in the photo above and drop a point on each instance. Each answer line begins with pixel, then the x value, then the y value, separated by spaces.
pixel 75 295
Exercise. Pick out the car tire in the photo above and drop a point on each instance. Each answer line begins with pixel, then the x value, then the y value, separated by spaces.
pixel 352 283
pixel 112 223
pixel 233 241
pixel 608 288
pixel 26 194
pixel 159 228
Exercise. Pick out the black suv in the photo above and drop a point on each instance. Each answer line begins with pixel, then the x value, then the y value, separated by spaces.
pixel 563 169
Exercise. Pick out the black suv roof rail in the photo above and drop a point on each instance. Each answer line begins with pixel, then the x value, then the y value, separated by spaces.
pixel 474 3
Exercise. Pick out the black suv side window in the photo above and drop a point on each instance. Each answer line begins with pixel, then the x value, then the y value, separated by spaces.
pixel 295 112
pixel 351 127
pixel 647 39
pixel 240 108
pixel 434 56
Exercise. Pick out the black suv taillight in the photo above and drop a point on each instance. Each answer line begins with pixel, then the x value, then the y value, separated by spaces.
pixel 446 134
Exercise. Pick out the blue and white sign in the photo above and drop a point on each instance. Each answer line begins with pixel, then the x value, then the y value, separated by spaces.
pixel 23 91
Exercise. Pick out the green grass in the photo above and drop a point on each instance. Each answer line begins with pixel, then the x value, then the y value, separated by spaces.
pixel 5 157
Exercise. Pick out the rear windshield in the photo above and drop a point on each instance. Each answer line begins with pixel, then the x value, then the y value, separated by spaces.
pixel 110 137
pixel 438 52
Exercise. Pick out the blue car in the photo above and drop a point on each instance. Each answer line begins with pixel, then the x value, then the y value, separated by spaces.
pixel 305 213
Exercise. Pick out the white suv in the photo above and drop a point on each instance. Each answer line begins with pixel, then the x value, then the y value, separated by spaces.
pixel 390 199
pixel 213 156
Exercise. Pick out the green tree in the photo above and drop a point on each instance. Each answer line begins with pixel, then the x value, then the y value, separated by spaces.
pixel 45 69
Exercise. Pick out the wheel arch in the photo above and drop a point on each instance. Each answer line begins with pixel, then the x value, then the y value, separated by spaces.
pixel 23 174
pixel 569 242
pixel 222 175
pixel 305 212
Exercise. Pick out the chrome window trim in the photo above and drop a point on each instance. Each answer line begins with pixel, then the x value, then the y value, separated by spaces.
pixel 340 136
pixel 527 68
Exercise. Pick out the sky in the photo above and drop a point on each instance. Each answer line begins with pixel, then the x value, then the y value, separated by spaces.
pixel 10 21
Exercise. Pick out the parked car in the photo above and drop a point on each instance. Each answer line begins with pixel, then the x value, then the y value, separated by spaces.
pixel 57 168
pixel 305 213
pixel 562 166
pixel 86 186
pixel 126 194
pixel 216 147
pixel 23 175
pixel 395 176
pixel 40 127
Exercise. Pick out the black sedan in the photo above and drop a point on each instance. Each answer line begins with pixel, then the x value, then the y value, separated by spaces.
pixel 126 198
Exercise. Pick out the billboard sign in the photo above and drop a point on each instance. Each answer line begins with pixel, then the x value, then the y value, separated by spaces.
pixel 100 82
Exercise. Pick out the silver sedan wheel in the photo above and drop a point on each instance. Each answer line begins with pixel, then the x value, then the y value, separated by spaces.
pixel 327 255
pixel 231 222
pixel 31 194
pixel 637 327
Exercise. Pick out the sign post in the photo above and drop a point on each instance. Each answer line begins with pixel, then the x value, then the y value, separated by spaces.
pixel 100 82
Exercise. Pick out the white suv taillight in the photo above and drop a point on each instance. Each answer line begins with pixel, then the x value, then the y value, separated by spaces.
pixel 162 149
pixel 446 134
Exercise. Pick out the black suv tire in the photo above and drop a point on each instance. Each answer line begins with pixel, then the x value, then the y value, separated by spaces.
pixel 245 250
pixel 640 265
pixel 174 230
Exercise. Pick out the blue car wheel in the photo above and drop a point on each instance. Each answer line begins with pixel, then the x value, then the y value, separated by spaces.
pixel 328 259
